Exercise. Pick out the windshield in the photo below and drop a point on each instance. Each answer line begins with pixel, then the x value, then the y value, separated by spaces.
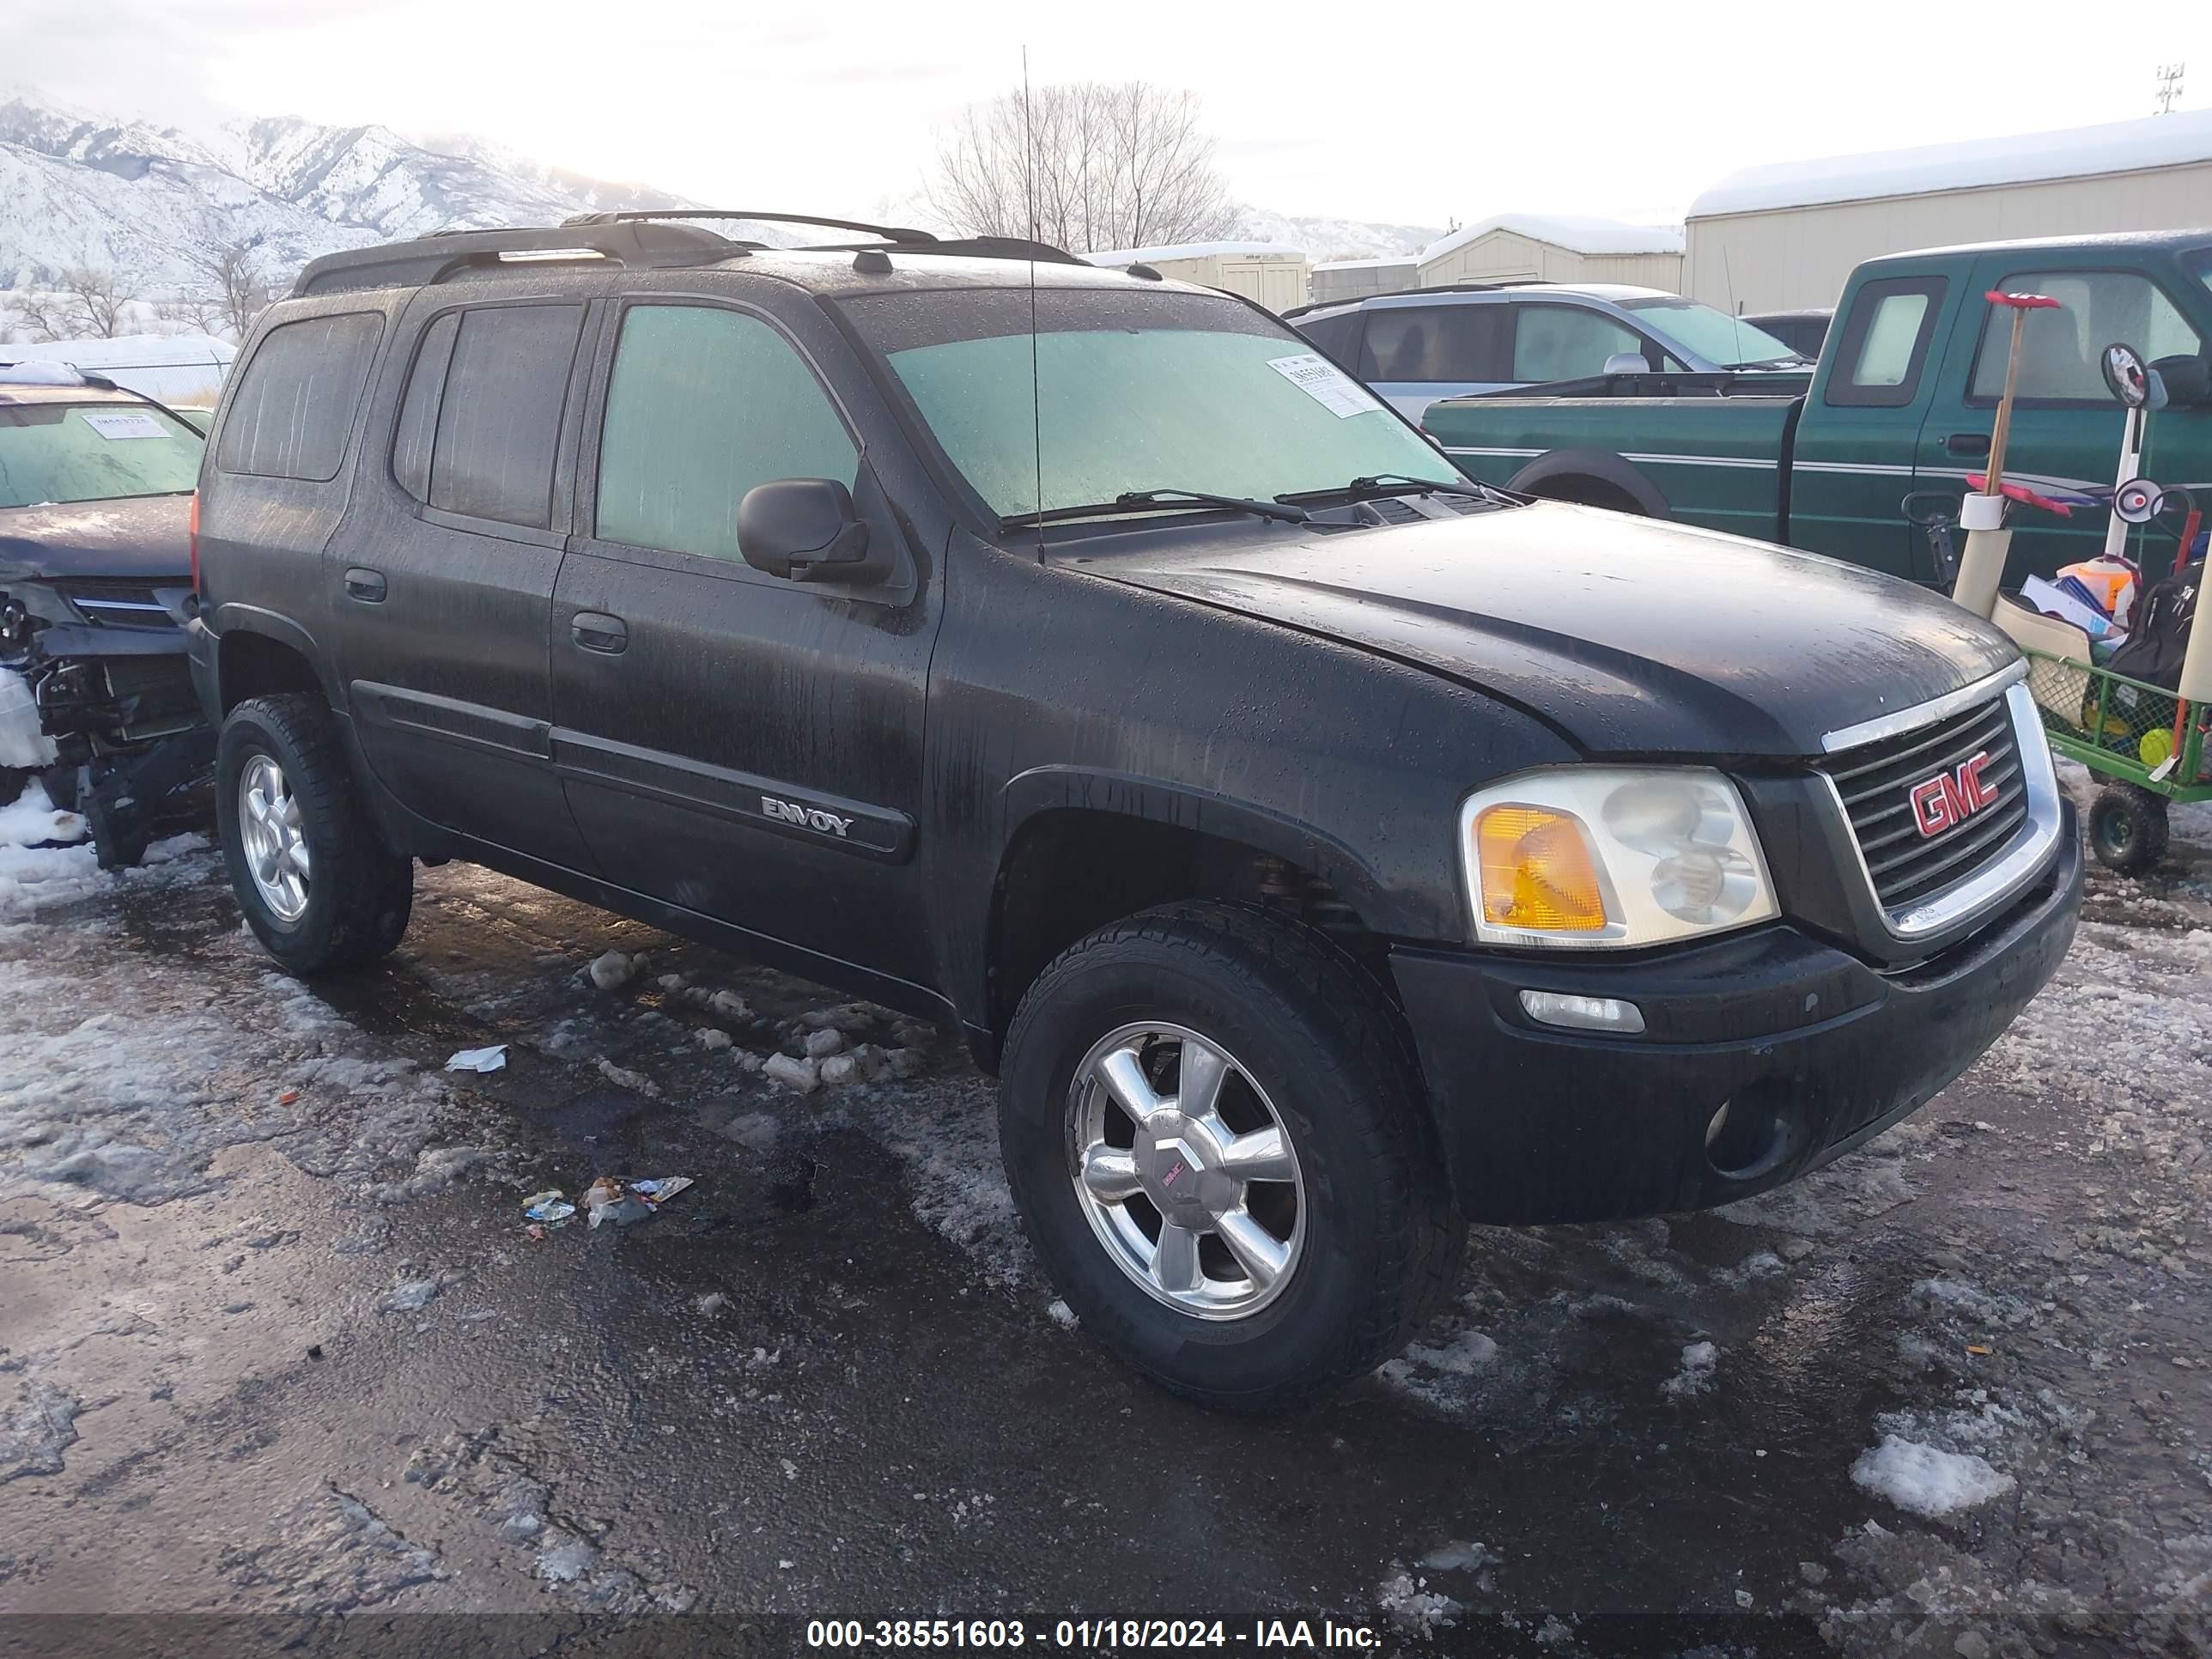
pixel 1136 392
pixel 1719 338
pixel 55 452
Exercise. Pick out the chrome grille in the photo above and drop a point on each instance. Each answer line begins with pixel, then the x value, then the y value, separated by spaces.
pixel 1875 782
pixel 118 604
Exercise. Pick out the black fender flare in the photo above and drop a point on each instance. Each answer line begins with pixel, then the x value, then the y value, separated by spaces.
pixel 1044 789
pixel 233 618
pixel 1603 465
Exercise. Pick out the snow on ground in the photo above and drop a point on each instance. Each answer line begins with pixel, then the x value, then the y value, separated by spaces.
pixel 1926 1481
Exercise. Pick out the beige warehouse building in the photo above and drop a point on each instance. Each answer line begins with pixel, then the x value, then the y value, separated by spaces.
pixel 1782 237
pixel 1542 247
pixel 1269 272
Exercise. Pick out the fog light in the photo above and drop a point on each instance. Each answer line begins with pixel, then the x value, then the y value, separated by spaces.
pixel 1583 1013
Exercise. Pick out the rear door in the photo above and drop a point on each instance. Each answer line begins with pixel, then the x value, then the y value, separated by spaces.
pixel 1857 439
pixel 1414 354
pixel 2066 426
pixel 440 595
pixel 746 747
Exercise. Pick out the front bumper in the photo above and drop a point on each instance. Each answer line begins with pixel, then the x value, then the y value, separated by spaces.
pixel 1813 1052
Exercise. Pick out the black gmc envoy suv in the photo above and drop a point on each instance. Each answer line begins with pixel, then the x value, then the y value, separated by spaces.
pixel 1322 849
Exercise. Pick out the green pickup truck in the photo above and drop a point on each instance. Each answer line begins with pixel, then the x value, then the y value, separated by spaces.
pixel 1901 401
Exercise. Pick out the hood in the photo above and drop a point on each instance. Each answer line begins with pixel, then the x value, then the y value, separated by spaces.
pixel 1629 636
pixel 144 537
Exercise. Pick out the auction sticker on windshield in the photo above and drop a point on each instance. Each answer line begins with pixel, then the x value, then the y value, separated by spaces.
pixel 124 425
pixel 1326 384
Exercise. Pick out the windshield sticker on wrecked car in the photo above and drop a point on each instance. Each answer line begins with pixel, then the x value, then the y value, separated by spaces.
pixel 127 424
pixel 1326 384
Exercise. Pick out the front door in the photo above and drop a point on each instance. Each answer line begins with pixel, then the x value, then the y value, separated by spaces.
pixel 2067 426
pixel 440 589
pixel 746 747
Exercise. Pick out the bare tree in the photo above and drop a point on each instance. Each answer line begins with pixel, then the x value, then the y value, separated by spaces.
pixel 235 281
pixel 47 314
pixel 98 301
pixel 1085 164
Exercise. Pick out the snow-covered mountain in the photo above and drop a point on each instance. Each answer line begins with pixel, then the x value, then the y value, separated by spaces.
pixel 81 190
pixel 1335 238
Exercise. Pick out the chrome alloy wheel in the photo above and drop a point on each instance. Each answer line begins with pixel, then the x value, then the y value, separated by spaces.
pixel 1185 1171
pixel 274 845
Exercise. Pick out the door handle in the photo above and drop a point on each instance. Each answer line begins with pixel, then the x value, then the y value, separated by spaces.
pixel 1967 443
pixel 594 630
pixel 367 586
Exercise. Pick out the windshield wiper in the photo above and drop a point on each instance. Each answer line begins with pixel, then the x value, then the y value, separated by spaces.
pixel 1399 483
pixel 1141 501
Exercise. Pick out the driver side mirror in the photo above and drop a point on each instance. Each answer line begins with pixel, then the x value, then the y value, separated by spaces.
pixel 2188 380
pixel 805 530
pixel 1627 362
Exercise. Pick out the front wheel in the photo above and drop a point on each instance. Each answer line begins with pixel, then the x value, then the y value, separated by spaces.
pixel 1215 1139
pixel 319 888
pixel 2127 828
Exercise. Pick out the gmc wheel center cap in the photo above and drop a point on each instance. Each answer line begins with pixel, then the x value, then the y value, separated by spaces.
pixel 1181 1168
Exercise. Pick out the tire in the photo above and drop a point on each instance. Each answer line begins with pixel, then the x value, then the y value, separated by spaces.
pixel 355 894
pixel 2127 828
pixel 1366 1222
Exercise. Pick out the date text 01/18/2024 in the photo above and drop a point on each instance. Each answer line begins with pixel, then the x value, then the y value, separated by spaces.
pixel 1086 1635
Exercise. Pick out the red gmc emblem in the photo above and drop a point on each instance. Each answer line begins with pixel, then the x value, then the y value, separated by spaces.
pixel 1949 799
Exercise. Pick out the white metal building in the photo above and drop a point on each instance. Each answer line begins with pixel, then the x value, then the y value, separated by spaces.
pixel 1355 279
pixel 1525 248
pixel 1779 237
pixel 1270 272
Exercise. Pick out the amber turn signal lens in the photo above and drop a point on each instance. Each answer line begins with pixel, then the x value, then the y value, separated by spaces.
pixel 1537 871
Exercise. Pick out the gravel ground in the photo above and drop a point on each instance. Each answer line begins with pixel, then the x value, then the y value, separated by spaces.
pixel 276 1338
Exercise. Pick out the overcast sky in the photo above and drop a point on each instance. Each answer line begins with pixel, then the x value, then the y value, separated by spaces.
pixel 1414 112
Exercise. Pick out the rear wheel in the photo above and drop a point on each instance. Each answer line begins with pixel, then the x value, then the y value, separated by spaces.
pixel 2127 828
pixel 319 887
pixel 1213 1133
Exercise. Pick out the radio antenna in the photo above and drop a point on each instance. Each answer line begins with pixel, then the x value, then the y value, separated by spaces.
pixel 1036 392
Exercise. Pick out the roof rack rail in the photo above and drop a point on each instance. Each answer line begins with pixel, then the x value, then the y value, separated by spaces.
pixel 906 238
pixel 889 233
pixel 1408 293
pixel 432 258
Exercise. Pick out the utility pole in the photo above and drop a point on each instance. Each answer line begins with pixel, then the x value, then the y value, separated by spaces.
pixel 2169 86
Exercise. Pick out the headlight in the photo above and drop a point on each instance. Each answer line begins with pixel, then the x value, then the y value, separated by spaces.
pixel 1612 856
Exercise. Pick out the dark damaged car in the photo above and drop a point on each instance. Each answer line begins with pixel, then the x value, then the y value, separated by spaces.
pixel 1324 850
pixel 95 588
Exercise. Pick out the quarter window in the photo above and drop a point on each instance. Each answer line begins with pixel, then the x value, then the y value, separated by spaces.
pixel 1884 344
pixel 2061 351
pixel 499 418
pixel 1565 343
pixel 290 414
pixel 704 404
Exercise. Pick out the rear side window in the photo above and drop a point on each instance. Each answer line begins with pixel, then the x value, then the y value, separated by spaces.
pixel 292 409
pixel 1565 343
pixel 1338 336
pixel 1884 345
pixel 499 417
pixel 1436 342
pixel 418 411
pixel 704 405
pixel 2061 351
